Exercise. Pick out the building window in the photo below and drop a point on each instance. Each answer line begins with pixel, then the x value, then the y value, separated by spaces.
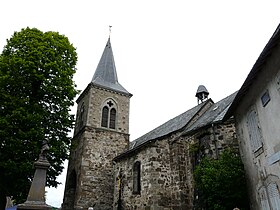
pixel 105 114
pixel 270 197
pixel 136 177
pixel 273 194
pixel 109 115
pixel 112 118
pixel 265 98
pixel 254 131
pixel 264 199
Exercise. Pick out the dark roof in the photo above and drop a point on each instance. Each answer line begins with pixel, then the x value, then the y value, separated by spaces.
pixel 168 127
pixel 105 74
pixel 274 40
pixel 214 114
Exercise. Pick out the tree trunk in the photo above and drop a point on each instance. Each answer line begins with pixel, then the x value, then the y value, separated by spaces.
pixel 2 201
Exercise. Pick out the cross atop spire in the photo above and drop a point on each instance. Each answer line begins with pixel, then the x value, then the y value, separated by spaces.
pixel 105 74
pixel 110 30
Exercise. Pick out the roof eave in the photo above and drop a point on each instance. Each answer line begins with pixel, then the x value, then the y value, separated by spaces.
pixel 267 51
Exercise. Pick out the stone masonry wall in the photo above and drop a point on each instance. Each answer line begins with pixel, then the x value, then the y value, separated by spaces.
pixel 167 169
pixel 98 96
pixel 154 165
pixel 92 152
pixel 96 181
pixel 209 142
pixel 212 140
pixel 163 179
pixel 93 99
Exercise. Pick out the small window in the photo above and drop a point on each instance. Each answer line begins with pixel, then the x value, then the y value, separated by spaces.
pixel 265 98
pixel 136 177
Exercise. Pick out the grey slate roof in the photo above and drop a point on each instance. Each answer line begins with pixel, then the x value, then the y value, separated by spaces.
pixel 105 74
pixel 214 114
pixel 168 127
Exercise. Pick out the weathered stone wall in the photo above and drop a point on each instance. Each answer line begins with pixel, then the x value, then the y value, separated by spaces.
pixel 181 175
pixel 167 168
pixel 93 149
pixel 93 99
pixel 210 142
pixel 163 177
pixel 98 96
pixel 96 180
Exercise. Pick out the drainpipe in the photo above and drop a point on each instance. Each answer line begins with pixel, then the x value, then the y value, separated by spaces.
pixel 215 140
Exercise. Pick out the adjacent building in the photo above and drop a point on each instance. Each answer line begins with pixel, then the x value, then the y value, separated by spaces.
pixel 256 109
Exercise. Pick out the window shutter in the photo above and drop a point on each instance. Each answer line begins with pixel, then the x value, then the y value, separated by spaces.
pixel 264 199
pixel 273 194
pixel 254 130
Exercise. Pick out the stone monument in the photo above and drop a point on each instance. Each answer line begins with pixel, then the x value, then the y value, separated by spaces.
pixel 36 195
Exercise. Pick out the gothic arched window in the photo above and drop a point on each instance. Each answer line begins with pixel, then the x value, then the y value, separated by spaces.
pixel 109 115
pixel 136 177
pixel 112 118
pixel 105 114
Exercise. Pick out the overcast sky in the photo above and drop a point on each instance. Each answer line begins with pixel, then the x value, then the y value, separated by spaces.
pixel 163 49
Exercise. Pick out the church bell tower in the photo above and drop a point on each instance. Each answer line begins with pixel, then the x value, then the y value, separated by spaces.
pixel 101 133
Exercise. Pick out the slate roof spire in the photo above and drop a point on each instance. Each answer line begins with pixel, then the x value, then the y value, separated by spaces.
pixel 105 74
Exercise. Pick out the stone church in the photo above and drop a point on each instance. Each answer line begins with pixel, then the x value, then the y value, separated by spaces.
pixel 108 171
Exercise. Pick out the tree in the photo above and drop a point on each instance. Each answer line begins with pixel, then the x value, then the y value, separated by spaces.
pixel 221 183
pixel 36 93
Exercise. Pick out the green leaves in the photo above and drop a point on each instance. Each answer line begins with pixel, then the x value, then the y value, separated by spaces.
pixel 36 92
pixel 221 183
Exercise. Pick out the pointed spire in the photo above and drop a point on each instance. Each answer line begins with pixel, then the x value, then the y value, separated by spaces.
pixel 105 74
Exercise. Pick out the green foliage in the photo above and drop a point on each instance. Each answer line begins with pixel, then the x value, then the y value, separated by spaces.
pixel 221 183
pixel 36 93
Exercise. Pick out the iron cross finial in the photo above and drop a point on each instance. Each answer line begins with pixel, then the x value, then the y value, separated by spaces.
pixel 110 30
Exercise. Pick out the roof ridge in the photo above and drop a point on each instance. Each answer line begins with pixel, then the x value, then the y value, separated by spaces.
pixel 196 109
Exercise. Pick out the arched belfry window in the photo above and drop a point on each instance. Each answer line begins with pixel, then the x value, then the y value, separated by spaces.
pixel 113 118
pixel 105 114
pixel 137 177
pixel 109 114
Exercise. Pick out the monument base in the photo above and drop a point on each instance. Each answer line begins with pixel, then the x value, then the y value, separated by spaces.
pixel 32 205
